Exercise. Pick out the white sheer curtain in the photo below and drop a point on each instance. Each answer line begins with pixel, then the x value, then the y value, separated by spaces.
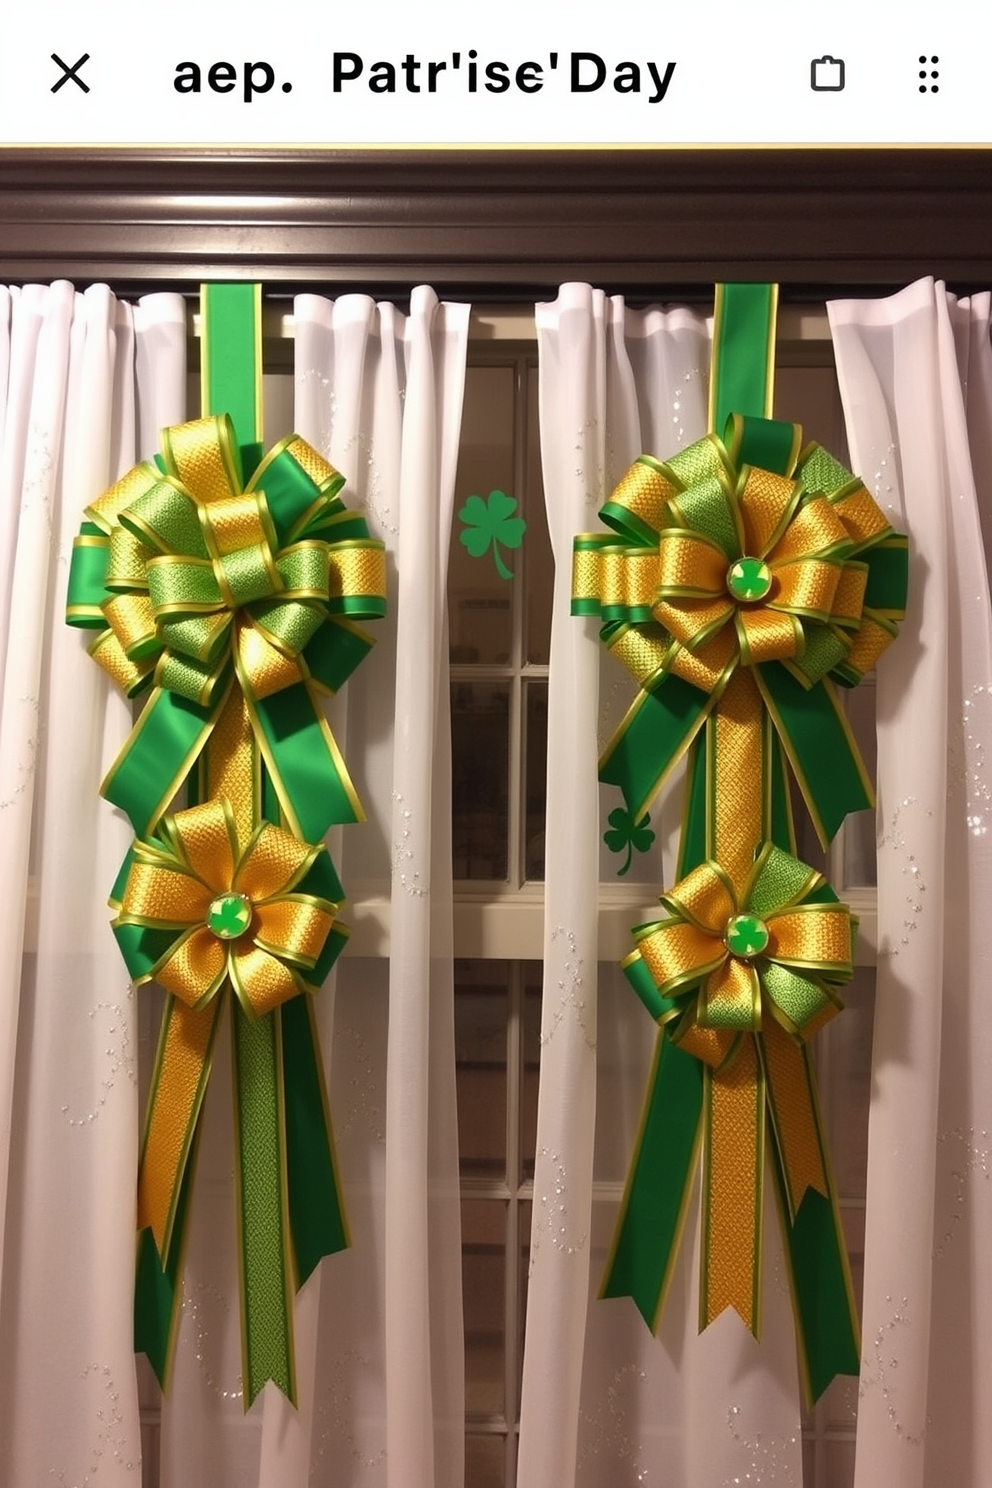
pixel 603 1400
pixel 87 383
pixel 916 377
pixel 379 1326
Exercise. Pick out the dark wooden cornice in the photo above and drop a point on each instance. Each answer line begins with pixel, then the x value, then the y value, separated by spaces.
pixel 506 223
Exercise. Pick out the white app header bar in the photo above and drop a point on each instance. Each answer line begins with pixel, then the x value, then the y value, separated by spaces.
pixel 768 73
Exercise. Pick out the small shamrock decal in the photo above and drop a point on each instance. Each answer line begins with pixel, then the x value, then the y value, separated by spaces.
pixel 626 833
pixel 492 521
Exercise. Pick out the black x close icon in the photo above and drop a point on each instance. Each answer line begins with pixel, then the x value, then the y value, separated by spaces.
pixel 70 72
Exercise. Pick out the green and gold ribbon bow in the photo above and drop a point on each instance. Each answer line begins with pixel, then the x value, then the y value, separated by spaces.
pixel 224 584
pixel 198 580
pixel 738 581
pixel 788 568
pixel 722 960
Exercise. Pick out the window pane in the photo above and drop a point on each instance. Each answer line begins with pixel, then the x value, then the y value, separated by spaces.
pixel 480 714
pixel 844 1064
pixel 839 1404
pixel 484 1461
pixel 480 1055
pixel 525 1212
pixel 540 572
pixel 484 1288
pixel 840 1464
pixel 535 778
pixel 531 1061
pixel 480 617
pixel 809 1464
pixel 810 396
pixel 860 867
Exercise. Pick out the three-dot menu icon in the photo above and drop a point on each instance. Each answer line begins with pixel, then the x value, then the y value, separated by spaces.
pixel 929 74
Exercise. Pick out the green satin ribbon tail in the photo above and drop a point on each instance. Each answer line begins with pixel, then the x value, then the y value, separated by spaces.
pixel 308 777
pixel 262 1205
pixel 334 653
pixel 657 733
pixel 888 576
pixel 653 1211
pixel 316 1212
pixel 821 749
pixel 827 1324
pixel 157 757
pixel 157 1286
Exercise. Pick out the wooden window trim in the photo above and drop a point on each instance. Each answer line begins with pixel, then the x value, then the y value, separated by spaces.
pixel 508 224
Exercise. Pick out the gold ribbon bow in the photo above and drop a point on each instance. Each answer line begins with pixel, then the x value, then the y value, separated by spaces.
pixel 237 912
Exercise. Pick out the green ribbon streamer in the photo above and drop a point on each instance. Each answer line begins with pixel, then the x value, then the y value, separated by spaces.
pixel 317 1217
pixel 888 575
pixel 825 1308
pixel 157 1284
pixel 165 743
pixel 304 774
pixel 653 1212
pixel 659 730
pixel 231 354
pixel 816 737
pixel 263 1204
pixel 742 359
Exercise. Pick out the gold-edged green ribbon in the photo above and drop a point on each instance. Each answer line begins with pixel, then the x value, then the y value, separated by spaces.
pixel 739 581
pixel 226 583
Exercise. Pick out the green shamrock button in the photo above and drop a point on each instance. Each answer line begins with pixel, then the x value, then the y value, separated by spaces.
pixel 229 916
pixel 746 936
pixel 749 580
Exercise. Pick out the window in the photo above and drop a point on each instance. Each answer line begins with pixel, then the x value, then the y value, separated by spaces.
pixel 499 654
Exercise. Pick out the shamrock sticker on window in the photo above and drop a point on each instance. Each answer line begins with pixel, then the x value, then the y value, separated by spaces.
pixel 624 833
pixel 492 522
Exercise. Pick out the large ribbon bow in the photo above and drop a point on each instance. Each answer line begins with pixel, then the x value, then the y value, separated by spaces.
pixel 196 572
pixel 748 552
